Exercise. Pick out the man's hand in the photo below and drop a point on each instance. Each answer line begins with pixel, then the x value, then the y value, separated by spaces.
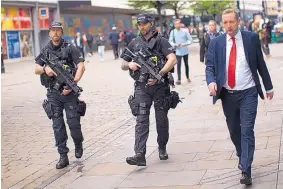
pixel 134 66
pixel 269 95
pixel 151 82
pixel 49 71
pixel 66 92
pixel 212 87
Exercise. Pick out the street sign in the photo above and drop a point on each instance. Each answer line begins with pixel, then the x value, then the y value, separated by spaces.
pixel 43 13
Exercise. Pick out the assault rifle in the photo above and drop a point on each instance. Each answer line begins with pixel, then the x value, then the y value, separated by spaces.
pixel 64 76
pixel 147 65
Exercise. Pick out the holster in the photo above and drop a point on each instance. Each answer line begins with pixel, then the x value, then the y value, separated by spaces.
pixel 47 108
pixel 81 108
pixel 133 105
pixel 173 100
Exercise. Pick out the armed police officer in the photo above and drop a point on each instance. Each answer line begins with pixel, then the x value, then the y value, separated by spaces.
pixel 148 89
pixel 59 95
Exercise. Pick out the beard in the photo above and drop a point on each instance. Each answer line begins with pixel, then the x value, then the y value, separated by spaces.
pixel 56 38
pixel 144 33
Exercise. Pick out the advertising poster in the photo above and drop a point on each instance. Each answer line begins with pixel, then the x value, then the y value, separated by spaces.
pixel 4 45
pixel 26 44
pixel 13 44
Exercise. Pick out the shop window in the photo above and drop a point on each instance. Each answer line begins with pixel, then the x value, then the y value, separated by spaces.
pixel 13 44
pixel 25 18
pixel 9 18
pixel 26 43
pixel 14 18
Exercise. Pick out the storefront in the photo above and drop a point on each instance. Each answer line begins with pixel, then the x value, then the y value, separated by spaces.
pixel 22 28
pixel 16 33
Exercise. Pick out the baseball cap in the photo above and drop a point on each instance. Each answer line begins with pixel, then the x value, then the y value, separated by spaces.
pixel 144 18
pixel 56 25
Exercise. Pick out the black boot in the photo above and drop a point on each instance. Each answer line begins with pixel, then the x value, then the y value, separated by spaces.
pixel 79 150
pixel 63 161
pixel 246 179
pixel 162 153
pixel 138 159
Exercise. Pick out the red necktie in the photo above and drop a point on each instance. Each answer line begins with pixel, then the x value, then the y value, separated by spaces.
pixel 232 65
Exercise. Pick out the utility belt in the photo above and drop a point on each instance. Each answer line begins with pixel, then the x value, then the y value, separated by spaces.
pixel 171 101
pixel 49 109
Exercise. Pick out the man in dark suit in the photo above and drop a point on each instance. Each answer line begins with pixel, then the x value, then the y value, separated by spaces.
pixel 231 73
pixel 208 36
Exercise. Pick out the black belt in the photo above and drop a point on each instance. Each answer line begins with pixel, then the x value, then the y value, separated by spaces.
pixel 235 91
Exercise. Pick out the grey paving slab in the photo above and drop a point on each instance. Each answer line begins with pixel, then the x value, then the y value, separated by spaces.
pixel 161 179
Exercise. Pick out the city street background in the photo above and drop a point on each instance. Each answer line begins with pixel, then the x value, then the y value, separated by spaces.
pixel 201 155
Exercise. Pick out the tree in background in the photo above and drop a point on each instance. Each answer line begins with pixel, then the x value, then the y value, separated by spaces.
pixel 213 7
pixel 177 6
pixel 143 5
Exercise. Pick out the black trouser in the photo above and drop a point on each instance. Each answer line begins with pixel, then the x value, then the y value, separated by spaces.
pixel 179 63
pixel 90 47
pixel 70 104
pixel 115 50
pixel 143 99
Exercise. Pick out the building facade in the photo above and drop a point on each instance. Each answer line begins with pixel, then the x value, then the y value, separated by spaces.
pixel 93 19
pixel 25 32
pixel 22 28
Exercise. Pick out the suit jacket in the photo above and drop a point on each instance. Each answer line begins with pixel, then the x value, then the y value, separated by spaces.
pixel 216 62
pixel 204 43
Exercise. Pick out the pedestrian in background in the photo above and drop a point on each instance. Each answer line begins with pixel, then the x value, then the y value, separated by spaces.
pixel 180 39
pixel 101 46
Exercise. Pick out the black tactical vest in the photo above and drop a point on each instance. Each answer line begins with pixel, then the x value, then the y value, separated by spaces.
pixel 62 54
pixel 154 47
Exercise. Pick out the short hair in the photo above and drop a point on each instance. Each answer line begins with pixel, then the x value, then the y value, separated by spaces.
pixel 230 10
pixel 212 21
pixel 176 20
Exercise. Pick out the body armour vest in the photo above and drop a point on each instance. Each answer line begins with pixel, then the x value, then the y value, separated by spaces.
pixel 153 46
pixel 61 54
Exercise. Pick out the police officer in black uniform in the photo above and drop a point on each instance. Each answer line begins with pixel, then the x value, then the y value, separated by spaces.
pixel 62 98
pixel 148 90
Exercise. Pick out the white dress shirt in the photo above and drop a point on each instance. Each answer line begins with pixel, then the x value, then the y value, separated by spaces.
pixel 243 75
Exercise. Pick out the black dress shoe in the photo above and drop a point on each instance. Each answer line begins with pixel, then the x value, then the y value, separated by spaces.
pixel 79 150
pixel 162 153
pixel 63 161
pixel 138 159
pixel 246 179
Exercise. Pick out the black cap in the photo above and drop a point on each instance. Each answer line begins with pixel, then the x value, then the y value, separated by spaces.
pixel 56 25
pixel 144 18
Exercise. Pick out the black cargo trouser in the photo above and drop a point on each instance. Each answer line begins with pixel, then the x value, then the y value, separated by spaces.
pixel 143 99
pixel 70 104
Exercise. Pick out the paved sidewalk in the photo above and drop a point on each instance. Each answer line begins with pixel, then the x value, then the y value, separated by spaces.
pixel 201 155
